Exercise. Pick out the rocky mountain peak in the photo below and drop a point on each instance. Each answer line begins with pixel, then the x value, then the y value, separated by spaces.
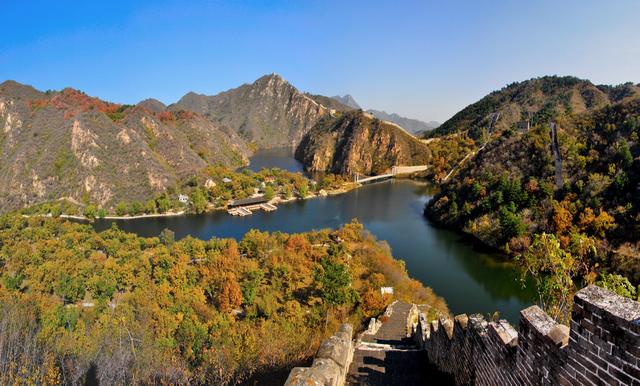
pixel 152 105
pixel 269 112
pixel 347 100
pixel 11 88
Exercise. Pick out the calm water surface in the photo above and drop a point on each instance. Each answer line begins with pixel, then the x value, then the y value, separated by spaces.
pixel 275 158
pixel 469 278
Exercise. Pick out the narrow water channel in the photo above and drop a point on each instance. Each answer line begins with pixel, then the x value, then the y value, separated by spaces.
pixel 470 278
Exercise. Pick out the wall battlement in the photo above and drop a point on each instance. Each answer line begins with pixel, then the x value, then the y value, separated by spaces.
pixel 601 347
pixel 331 363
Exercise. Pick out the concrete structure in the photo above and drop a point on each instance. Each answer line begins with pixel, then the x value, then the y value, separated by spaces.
pixel 396 170
pixel 408 169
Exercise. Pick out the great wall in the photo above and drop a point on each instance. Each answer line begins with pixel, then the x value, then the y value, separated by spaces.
pixel 600 347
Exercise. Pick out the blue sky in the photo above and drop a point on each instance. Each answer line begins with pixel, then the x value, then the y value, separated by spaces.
pixel 422 59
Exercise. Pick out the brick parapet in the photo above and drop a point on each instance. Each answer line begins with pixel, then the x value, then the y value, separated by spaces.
pixel 602 345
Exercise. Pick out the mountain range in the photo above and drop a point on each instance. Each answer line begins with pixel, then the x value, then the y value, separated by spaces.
pixel 66 144
pixel 347 100
pixel 414 126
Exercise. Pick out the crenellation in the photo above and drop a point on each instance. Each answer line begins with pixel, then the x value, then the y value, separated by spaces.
pixel 601 346
pixel 462 320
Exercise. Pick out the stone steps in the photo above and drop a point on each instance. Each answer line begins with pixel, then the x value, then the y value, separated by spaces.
pixel 389 357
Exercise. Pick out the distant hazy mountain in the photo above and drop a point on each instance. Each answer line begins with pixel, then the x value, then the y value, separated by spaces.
pixel 347 100
pixel 411 125
pixel 269 112
pixel 330 102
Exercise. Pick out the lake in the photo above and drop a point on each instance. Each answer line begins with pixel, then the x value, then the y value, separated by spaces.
pixel 471 278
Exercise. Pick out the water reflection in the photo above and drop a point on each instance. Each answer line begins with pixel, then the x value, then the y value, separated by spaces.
pixel 281 158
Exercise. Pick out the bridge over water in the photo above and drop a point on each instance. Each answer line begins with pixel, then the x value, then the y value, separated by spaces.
pixel 394 171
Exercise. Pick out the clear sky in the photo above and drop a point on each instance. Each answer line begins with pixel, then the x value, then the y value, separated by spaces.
pixel 422 59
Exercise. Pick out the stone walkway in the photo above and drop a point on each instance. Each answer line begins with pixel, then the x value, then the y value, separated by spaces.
pixel 388 357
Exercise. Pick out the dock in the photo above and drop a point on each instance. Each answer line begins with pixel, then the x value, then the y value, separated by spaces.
pixel 268 207
pixel 247 210
pixel 240 211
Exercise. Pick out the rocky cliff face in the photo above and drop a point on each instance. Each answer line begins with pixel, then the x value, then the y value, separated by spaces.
pixel 356 142
pixel 67 144
pixel 269 112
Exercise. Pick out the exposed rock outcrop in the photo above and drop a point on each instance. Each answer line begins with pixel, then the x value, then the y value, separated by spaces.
pixel 356 142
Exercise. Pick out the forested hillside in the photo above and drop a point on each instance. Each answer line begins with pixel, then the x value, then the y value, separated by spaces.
pixel 534 101
pixel 79 305
pixel 580 203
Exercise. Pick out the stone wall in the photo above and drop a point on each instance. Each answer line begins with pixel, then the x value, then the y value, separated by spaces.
pixel 331 363
pixel 602 347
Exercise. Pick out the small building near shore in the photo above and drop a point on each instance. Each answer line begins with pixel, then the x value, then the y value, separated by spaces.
pixel 183 198
pixel 209 184
pixel 248 201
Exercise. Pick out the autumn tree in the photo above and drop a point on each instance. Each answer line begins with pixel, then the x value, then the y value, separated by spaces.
pixel 198 201
pixel 229 293
pixel 553 271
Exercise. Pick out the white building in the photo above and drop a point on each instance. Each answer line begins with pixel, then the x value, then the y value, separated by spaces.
pixel 209 184
pixel 183 198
